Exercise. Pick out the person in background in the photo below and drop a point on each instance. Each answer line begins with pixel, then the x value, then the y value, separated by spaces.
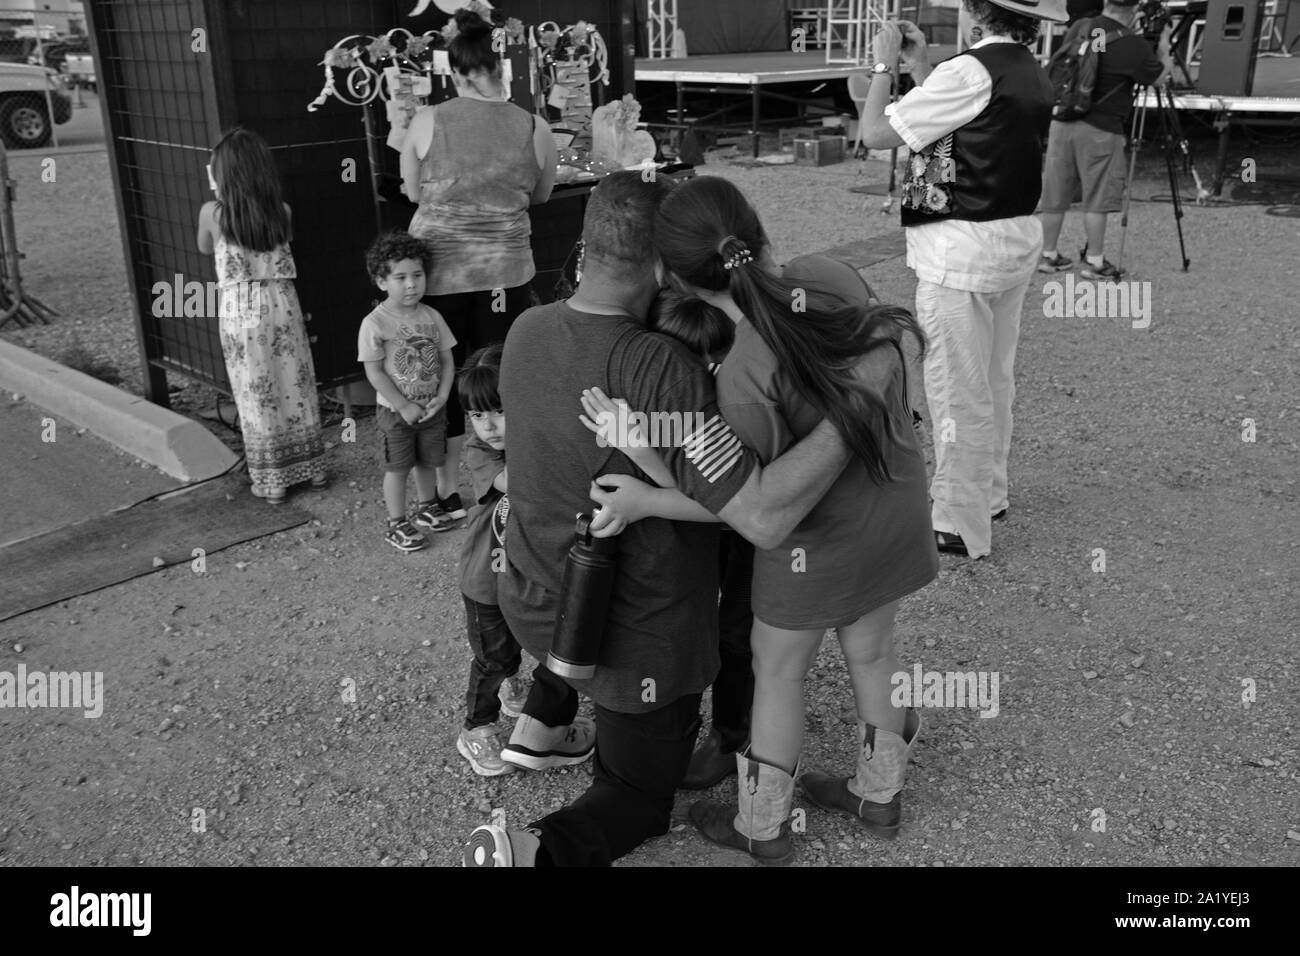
pixel 263 336
pixel 474 164
pixel 406 350
pixel 1079 9
pixel 977 128
pixel 1088 153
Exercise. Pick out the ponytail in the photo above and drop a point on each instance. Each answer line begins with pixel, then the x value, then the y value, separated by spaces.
pixel 821 349
pixel 708 236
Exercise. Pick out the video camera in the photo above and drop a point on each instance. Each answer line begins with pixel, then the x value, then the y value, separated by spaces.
pixel 1154 17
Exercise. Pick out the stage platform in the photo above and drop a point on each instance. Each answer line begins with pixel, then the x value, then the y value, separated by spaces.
pixel 1274 101
pixel 713 73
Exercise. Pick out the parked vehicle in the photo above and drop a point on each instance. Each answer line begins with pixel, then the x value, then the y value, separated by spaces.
pixel 24 109
pixel 79 70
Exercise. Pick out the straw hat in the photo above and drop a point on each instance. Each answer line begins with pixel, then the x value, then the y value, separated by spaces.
pixel 1038 9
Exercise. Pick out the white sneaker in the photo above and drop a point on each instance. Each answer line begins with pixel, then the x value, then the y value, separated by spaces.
pixel 482 748
pixel 534 746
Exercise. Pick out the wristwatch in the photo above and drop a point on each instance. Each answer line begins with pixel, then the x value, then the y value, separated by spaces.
pixel 883 67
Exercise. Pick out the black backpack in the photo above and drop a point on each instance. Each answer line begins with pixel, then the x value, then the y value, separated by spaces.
pixel 1074 70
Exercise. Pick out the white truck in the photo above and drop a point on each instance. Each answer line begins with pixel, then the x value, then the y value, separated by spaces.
pixel 25 107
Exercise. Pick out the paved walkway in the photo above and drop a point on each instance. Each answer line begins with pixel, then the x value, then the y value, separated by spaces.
pixel 74 477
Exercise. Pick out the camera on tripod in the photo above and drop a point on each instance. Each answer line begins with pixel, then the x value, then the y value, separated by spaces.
pixel 1154 16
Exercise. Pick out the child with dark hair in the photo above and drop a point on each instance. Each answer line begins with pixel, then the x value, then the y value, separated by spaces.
pixel 263 335
pixel 709 332
pixel 494 686
pixel 406 349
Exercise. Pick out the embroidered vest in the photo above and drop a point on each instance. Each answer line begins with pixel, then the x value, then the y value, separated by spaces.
pixel 991 168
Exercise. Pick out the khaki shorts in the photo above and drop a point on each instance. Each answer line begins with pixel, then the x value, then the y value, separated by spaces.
pixel 1080 155
pixel 402 446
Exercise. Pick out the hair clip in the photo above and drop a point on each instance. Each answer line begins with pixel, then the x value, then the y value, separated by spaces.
pixel 738 259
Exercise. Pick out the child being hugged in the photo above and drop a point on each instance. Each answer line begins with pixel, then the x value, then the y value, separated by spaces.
pixel 493 684
pixel 406 349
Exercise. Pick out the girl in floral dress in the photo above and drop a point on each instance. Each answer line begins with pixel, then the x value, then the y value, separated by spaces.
pixel 263 337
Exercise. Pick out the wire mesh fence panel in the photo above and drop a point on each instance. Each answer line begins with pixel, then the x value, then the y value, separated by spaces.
pixel 175 74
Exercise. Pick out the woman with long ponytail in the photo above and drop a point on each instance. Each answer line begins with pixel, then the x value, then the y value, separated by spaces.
pixel 808 346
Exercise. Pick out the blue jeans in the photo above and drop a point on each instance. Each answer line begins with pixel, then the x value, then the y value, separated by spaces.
pixel 496 657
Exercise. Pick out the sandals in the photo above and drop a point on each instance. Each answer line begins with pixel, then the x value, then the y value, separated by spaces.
pixel 276 497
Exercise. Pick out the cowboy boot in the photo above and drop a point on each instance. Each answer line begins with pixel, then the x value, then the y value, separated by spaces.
pixel 761 828
pixel 874 794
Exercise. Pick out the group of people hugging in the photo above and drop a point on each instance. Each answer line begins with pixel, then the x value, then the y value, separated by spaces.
pixel 793 501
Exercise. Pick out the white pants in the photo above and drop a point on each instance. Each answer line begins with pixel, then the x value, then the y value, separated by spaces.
pixel 969 386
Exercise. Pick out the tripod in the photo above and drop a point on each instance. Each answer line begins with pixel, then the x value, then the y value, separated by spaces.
pixel 1171 138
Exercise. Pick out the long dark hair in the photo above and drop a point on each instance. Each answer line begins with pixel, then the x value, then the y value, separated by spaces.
pixel 470 50
pixel 705 223
pixel 248 187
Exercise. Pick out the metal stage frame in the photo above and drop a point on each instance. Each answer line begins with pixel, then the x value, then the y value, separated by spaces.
pixel 1228 111
pixel 756 72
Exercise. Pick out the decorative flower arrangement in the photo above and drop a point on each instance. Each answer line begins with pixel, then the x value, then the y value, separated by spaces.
pixel 366 57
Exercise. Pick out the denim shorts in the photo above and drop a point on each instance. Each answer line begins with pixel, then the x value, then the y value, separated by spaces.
pixel 402 446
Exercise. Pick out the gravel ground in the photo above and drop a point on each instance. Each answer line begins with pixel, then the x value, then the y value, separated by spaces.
pixel 1120 691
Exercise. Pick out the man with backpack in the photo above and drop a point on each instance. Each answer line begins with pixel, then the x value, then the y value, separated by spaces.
pixel 1093 73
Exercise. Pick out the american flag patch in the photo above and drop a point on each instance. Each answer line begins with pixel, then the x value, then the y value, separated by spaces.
pixel 713 448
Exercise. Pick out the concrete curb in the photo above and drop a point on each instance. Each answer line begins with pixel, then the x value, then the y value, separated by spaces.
pixel 173 443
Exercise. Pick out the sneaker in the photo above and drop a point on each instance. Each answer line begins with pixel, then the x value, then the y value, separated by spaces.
pixel 403 536
pixel 491 845
pixel 534 746
pixel 512 694
pixel 1107 271
pixel 482 749
pixel 431 517
pixel 452 507
pixel 1055 263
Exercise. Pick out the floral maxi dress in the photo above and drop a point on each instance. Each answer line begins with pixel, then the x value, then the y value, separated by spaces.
pixel 268 360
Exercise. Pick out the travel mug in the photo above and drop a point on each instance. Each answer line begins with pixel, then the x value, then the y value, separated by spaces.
pixel 585 593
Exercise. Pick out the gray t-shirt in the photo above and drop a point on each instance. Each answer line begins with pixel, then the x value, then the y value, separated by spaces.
pixel 661 640
pixel 863 545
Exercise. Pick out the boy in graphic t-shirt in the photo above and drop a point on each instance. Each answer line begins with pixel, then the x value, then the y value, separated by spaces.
pixel 406 349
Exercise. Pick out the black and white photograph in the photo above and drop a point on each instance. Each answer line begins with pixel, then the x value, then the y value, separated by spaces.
pixel 901 467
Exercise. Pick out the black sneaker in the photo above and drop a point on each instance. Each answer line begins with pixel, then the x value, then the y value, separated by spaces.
pixel 452 506
pixel 1107 271
pixel 403 536
pixel 1057 263
pixel 430 516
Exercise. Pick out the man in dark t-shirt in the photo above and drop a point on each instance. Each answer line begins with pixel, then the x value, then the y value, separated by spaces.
pixel 659 649
pixel 1088 154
